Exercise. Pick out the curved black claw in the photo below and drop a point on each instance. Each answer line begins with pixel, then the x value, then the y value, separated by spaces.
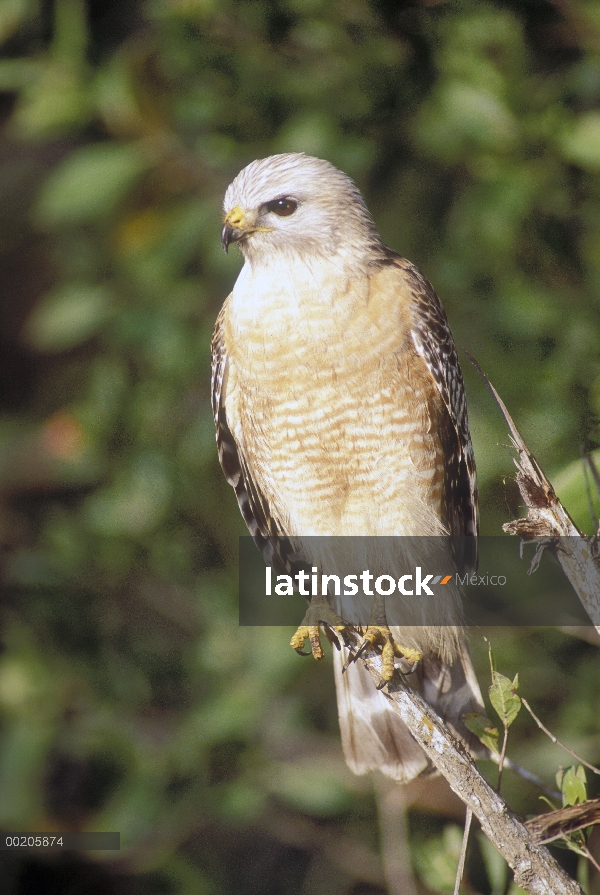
pixel 319 614
pixel 332 635
pixel 365 645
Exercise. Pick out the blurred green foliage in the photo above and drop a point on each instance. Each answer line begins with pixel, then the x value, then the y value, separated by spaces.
pixel 129 698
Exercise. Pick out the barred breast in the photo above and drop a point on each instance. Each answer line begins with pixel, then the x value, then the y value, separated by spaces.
pixel 333 406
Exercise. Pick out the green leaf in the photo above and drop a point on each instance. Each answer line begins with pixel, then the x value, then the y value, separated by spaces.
pixel 67 317
pixel 481 726
pixel 88 184
pixel 504 698
pixel 574 786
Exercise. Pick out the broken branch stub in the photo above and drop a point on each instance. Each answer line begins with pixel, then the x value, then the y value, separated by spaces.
pixel 548 523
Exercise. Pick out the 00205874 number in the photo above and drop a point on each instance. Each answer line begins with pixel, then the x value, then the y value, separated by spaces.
pixel 18 841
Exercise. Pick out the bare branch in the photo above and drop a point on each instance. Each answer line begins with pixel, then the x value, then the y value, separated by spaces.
pixel 591 858
pixel 548 522
pixel 554 824
pixel 463 852
pixel 534 868
pixel 502 758
pixel 557 741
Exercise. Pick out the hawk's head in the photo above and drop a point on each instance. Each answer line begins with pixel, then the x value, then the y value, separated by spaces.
pixel 296 203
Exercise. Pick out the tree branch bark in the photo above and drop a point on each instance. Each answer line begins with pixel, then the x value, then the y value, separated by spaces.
pixel 534 868
pixel 548 523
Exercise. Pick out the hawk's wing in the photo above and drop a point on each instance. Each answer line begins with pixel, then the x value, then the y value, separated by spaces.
pixel 433 342
pixel 276 549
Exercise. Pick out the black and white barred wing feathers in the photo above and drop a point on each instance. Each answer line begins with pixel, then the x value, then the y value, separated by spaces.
pixel 433 342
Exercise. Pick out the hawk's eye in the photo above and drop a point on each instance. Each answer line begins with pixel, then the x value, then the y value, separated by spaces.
pixel 282 207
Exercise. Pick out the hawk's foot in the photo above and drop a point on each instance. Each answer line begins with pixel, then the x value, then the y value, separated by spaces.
pixel 319 613
pixel 380 635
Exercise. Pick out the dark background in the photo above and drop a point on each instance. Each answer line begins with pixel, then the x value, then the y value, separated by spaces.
pixel 130 699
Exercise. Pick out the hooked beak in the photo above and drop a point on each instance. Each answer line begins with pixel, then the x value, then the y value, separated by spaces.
pixel 226 236
pixel 237 226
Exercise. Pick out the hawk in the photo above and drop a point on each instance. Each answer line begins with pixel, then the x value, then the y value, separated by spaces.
pixel 340 410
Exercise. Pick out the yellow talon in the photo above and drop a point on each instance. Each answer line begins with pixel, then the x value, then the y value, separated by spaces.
pixel 381 635
pixel 318 613
pixel 304 633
